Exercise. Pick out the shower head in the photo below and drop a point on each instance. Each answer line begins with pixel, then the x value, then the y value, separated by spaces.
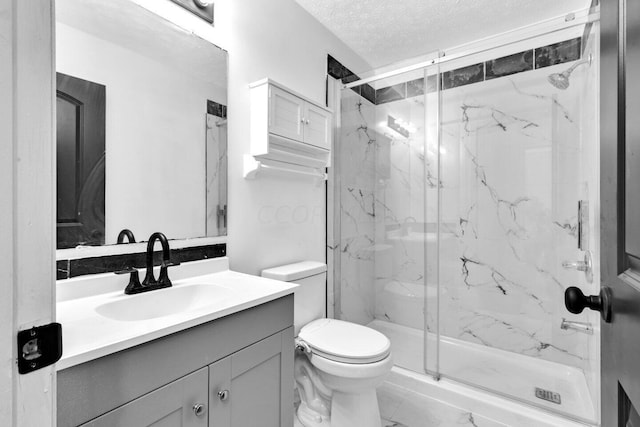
pixel 561 80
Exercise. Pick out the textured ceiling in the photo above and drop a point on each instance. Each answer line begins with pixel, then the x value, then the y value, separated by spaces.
pixel 386 31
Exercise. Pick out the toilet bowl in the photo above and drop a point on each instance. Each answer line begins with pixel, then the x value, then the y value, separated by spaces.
pixel 338 364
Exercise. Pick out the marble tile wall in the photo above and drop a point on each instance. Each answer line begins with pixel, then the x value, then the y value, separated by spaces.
pixel 357 150
pixel 509 206
pixel 400 189
pixel 216 164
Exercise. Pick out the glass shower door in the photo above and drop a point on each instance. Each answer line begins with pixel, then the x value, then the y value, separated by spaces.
pixel 384 231
pixel 517 154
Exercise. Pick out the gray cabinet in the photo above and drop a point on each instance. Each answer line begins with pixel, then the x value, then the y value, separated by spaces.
pixel 250 388
pixel 181 403
pixel 249 354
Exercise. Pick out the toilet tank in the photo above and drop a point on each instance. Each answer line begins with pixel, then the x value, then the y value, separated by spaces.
pixel 310 299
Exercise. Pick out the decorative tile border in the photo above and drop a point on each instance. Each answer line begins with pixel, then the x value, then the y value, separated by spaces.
pixel 416 87
pixel 66 269
pixel 507 65
pixel 391 93
pixel 463 76
pixel 218 110
pixel 338 71
pixel 557 53
pixel 540 57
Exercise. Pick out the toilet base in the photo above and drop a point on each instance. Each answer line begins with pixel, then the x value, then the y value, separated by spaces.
pixel 347 410
pixel 309 418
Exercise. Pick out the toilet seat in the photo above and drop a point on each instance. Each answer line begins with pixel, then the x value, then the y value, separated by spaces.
pixel 352 370
pixel 345 342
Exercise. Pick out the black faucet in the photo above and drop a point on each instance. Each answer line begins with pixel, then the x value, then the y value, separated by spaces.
pixel 128 234
pixel 150 283
pixel 134 279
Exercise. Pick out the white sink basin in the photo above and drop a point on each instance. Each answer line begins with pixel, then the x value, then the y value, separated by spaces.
pixel 165 302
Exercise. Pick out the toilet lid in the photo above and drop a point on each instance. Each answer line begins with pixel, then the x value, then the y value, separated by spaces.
pixel 345 341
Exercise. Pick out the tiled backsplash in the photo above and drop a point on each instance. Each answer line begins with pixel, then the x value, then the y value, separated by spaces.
pixel 68 268
pixel 540 57
pixel 219 110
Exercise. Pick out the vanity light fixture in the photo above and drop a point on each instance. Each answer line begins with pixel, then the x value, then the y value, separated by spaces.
pixel 200 8
pixel 400 126
pixel 202 3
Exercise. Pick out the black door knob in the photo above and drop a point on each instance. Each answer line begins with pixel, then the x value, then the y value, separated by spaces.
pixel 576 301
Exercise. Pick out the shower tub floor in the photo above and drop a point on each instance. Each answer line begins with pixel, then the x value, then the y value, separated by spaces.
pixel 509 374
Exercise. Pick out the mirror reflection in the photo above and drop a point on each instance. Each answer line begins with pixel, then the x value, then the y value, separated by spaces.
pixel 141 126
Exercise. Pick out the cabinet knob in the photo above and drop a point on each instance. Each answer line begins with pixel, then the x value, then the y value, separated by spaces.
pixel 306 121
pixel 302 120
pixel 223 394
pixel 199 409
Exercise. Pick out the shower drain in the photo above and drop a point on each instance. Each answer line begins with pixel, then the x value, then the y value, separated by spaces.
pixel 548 395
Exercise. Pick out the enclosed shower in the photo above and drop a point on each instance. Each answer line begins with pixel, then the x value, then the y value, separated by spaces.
pixel 465 194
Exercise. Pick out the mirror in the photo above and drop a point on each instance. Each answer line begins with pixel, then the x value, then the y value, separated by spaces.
pixel 141 126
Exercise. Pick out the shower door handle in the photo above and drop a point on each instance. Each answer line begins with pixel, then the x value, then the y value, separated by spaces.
pixel 576 301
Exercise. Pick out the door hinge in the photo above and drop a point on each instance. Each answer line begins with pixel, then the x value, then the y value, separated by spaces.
pixel 38 347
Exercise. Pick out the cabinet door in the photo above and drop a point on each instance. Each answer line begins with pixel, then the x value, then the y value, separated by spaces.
pixel 317 128
pixel 254 387
pixel 285 114
pixel 169 406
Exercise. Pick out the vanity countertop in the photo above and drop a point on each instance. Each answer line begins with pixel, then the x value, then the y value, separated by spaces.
pixel 98 319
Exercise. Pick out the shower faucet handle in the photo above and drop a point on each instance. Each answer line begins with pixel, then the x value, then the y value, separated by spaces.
pixel 585 266
pixel 577 265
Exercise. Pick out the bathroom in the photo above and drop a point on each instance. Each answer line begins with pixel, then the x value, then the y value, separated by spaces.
pixel 464 180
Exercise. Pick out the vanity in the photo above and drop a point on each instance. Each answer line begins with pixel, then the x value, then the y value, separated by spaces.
pixel 215 349
pixel 144 103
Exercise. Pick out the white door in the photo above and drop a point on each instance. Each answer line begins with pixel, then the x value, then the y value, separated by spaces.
pixel 620 203
pixel 27 243
pixel 285 114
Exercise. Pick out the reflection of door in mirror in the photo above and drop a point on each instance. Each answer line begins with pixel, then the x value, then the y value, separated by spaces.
pixel 216 163
pixel 80 120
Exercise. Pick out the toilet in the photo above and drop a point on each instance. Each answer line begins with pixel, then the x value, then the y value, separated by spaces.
pixel 338 364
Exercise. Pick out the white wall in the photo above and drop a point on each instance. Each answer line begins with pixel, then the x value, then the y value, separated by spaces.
pixel 273 221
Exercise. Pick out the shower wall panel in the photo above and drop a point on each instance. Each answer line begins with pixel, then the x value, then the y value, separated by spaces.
pixel 401 229
pixel 509 211
pixel 357 208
